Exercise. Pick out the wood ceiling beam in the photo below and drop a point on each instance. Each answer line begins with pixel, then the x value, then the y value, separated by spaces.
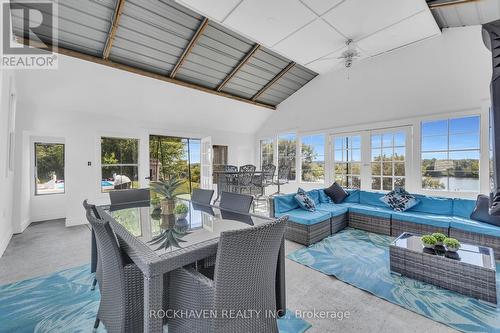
pixel 114 27
pixel 189 47
pixel 235 70
pixel 273 81
pixel 130 69
pixel 449 3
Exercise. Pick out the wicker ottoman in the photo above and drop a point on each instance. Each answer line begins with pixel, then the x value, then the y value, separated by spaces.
pixel 339 222
pixel 478 239
pixel 369 223
pixel 398 227
pixel 307 234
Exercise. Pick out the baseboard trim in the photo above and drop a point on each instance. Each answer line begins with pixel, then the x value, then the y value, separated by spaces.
pixel 4 242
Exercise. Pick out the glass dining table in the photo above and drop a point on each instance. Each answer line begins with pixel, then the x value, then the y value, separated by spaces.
pixel 159 243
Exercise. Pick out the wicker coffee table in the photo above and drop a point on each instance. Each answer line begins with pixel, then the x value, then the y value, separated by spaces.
pixel 470 271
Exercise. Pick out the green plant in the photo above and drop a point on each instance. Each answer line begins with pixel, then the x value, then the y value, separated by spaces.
pixel 168 189
pixel 439 237
pixel 452 243
pixel 181 208
pixel 429 240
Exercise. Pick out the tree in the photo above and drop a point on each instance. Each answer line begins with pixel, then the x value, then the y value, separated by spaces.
pixel 49 161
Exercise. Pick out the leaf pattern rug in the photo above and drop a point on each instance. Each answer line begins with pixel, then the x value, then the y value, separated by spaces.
pixel 361 259
pixel 63 302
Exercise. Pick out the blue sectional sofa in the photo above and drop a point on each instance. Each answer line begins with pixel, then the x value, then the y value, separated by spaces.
pixel 364 210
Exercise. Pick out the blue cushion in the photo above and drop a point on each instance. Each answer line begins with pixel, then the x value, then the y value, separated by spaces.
pixel 475 226
pixel 284 203
pixel 314 194
pixel 353 196
pixel 433 205
pixel 463 207
pixel 332 208
pixel 305 217
pixel 323 198
pixel 371 210
pixel 423 218
pixel 371 198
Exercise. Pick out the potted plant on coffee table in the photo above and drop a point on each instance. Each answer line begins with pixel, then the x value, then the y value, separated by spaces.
pixel 429 241
pixel 451 244
pixel 439 238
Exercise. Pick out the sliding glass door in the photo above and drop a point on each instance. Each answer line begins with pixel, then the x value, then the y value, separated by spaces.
pixel 175 157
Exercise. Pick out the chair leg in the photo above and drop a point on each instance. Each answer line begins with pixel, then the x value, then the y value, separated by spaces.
pixel 93 284
pixel 96 324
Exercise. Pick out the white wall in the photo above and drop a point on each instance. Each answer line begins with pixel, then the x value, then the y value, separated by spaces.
pixel 7 88
pixel 82 101
pixel 446 75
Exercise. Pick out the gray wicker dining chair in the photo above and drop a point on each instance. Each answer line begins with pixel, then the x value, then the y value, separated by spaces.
pixel 244 279
pixel 236 202
pixel 95 266
pixel 122 285
pixel 202 196
pixel 130 198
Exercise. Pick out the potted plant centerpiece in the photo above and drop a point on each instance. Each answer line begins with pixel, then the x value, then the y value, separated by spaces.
pixel 439 238
pixel 168 190
pixel 429 241
pixel 181 211
pixel 451 244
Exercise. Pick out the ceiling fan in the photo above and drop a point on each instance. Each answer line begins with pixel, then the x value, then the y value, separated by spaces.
pixel 350 54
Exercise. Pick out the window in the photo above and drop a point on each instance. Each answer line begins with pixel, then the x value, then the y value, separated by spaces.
pixel 119 164
pixel 49 168
pixel 313 158
pixel 287 150
pixel 388 160
pixel 175 157
pixel 347 160
pixel 450 154
pixel 266 152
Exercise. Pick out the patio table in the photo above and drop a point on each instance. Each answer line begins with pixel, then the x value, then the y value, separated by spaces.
pixel 136 226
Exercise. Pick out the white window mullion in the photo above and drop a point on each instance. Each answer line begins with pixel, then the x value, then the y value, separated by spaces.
pixel 366 177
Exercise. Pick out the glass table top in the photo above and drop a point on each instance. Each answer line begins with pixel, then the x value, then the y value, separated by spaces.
pixel 471 254
pixel 167 233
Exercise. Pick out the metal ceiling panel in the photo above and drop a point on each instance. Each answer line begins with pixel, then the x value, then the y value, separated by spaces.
pixel 464 14
pixel 82 25
pixel 159 35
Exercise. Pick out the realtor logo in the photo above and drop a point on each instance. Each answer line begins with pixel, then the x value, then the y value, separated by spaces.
pixel 28 35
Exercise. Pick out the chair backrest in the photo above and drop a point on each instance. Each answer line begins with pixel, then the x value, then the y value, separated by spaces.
pixel 93 243
pixel 133 197
pixel 268 171
pixel 202 196
pixel 90 207
pixel 246 174
pixel 112 308
pixel 230 168
pixel 236 202
pixel 284 172
pixel 245 273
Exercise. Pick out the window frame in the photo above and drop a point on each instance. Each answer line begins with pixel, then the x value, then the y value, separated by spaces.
pixel 333 148
pixel 483 136
pixel 299 156
pixel 271 141
pixel 295 166
pixel 101 165
pixel 46 141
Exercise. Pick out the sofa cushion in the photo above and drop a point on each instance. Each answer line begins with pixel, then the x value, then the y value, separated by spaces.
pixel 353 196
pixel 305 217
pixel 284 203
pixel 481 211
pixel 371 198
pixel 433 205
pixel 333 209
pixel 336 193
pixel 371 210
pixel 464 207
pixel 399 200
pixel 314 194
pixel 323 198
pixel 423 218
pixel 475 226
pixel 304 200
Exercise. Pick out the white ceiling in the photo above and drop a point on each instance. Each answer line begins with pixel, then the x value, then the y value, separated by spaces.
pixel 313 32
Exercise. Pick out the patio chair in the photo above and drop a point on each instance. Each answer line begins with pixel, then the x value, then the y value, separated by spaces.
pixel 94 259
pixel 236 202
pixel 260 182
pixel 130 198
pixel 229 180
pixel 122 285
pixel 244 180
pixel 202 196
pixel 244 278
pixel 283 176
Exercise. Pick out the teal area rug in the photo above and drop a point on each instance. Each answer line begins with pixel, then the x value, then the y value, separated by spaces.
pixel 63 302
pixel 362 260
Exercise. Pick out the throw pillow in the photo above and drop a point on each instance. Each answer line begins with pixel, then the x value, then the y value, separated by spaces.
pixel 481 211
pixel 336 193
pixel 305 201
pixel 399 200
